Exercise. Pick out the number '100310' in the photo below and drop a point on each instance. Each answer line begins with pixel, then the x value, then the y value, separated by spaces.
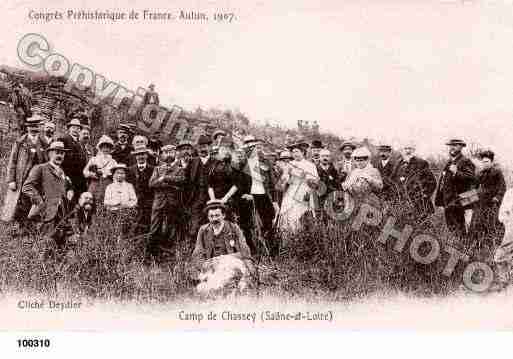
pixel 33 343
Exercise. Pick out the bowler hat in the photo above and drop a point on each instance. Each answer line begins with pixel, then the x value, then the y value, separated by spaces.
pixel 204 140
pixel 456 141
pixel 317 144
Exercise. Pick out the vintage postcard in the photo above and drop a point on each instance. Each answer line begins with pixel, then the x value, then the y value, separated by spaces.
pixel 220 165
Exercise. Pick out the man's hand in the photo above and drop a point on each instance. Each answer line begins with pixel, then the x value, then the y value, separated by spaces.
pixel 12 186
pixel 70 194
pixel 453 168
pixel 247 197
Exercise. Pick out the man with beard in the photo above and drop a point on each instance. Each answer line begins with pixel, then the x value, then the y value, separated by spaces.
pixel 346 164
pixel 139 176
pixel 386 166
pixel 458 176
pixel 27 151
pixel 416 182
pixel 48 133
pixel 316 150
pixel 84 212
pixel 76 158
pixel 49 190
pixel 200 169
pixel 122 148
pixel 262 192
pixel 492 188
pixel 171 186
pixel 329 178
pixel 85 140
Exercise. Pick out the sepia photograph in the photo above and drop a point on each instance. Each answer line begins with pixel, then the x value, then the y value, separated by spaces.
pixel 221 165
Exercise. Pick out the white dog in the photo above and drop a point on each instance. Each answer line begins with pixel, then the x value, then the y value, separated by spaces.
pixel 224 275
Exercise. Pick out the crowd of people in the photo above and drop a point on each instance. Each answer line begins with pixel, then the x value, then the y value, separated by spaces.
pixel 219 198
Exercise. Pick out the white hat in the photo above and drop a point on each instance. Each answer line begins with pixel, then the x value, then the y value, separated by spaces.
pixel 249 141
pixel 324 151
pixel 105 140
pixel 140 138
pixel 361 152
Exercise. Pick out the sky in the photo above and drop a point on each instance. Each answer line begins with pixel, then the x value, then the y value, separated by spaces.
pixel 390 70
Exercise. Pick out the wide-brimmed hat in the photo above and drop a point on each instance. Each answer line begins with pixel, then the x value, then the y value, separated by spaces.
pixel 285 155
pixel 125 128
pixel 183 144
pixel 48 124
pixel 361 152
pixel 169 147
pixel 204 140
pixel 299 144
pixel 118 166
pixel 214 204
pixel 74 122
pixel 456 141
pixel 140 150
pixel 384 147
pixel 140 138
pixel 218 133
pixel 57 146
pixel 249 141
pixel 347 144
pixel 226 142
pixel 34 120
pixel 105 140
pixel 317 144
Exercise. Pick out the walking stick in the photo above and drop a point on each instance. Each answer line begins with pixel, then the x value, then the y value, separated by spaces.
pixel 257 229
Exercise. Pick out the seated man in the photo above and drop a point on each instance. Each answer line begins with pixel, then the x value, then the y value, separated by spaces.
pixel 221 253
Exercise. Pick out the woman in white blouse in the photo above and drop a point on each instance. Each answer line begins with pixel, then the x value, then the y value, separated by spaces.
pixel 98 170
pixel 119 194
pixel 299 180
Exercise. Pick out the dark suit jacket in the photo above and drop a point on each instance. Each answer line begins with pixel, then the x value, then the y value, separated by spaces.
pixel 450 185
pixel 74 163
pixel 198 179
pixel 43 184
pixel 171 185
pixel 416 181
pixel 122 155
pixel 330 179
pixel 141 182
pixel 387 173
pixel 491 185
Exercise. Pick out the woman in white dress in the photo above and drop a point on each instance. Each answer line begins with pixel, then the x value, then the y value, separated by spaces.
pixel 98 169
pixel 298 181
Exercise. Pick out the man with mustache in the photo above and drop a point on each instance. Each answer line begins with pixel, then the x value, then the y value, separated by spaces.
pixel 316 149
pixel 458 176
pixel 76 158
pixel 48 133
pixel 385 164
pixel 170 181
pixel 123 149
pixel 329 176
pixel 27 151
pixel 346 164
pixel 416 182
pixel 50 192
pixel 85 140
pixel 200 168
